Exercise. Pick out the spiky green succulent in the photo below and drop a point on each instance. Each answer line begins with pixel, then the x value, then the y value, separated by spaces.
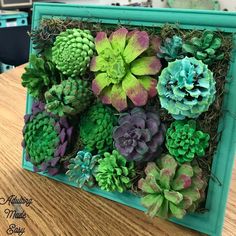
pixel 70 97
pixel 46 139
pixel 171 189
pixel 121 73
pixel 206 48
pixel 114 172
pixel 72 51
pixel 185 142
pixel 39 76
pixel 96 126
pixel 171 49
pixel 186 88
pixel 82 168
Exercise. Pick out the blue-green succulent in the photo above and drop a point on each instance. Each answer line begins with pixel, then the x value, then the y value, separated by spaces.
pixel 186 88
pixel 171 49
pixel 82 168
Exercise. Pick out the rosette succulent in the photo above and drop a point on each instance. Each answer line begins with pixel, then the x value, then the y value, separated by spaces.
pixel 46 139
pixel 39 76
pixel 96 127
pixel 171 49
pixel 72 51
pixel 170 189
pixel 70 97
pixel 114 173
pixel 139 135
pixel 82 168
pixel 120 72
pixel 186 88
pixel 206 48
pixel 185 142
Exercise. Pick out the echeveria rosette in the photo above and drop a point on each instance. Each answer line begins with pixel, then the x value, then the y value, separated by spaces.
pixel 46 139
pixel 96 126
pixel 186 88
pixel 120 72
pixel 185 142
pixel 206 48
pixel 82 168
pixel 139 135
pixel 72 51
pixel 170 189
pixel 171 49
pixel 70 97
pixel 114 172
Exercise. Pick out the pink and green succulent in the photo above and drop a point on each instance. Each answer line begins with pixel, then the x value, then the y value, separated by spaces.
pixel 122 69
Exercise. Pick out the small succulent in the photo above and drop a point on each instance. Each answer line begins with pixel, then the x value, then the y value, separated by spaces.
pixel 185 142
pixel 139 135
pixel 82 168
pixel 114 173
pixel 72 51
pixel 206 48
pixel 96 127
pixel 70 97
pixel 46 139
pixel 171 189
pixel 39 76
pixel 120 70
pixel 186 88
pixel 171 49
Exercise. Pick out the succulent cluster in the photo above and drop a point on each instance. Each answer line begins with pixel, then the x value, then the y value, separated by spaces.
pixel 45 139
pixel 139 135
pixel 206 48
pixel 70 97
pixel 185 142
pixel 121 73
pixel 171 49
pixel 96 126
pixel 82 168
pixel 72 51
pixel 186 88
pixel 171 189
pixel 114 172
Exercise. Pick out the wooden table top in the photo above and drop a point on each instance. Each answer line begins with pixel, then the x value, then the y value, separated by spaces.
pixel 58 209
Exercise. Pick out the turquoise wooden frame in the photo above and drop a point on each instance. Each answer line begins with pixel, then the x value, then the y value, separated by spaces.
pixel 210 222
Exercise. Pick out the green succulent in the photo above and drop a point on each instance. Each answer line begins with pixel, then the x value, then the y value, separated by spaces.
pixel 96 127
pixel 114 172
pixel 120 71
pixel 171 49
pixel 70 97
pixel 171 189
pixel 206 48
pixel 39 76
pixel 72 51
pixel 185 142
pixel 186 88
pixel 82 168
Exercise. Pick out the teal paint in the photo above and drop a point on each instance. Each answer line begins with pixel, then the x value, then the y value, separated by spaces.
pixel 210 222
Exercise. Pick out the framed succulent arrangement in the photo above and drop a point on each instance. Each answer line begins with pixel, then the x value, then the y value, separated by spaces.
pixel 136 105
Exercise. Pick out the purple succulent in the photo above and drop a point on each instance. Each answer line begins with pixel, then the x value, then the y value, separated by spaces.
pixel 139 135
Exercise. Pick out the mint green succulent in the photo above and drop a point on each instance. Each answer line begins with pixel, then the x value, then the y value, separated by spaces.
pixel 171 49
pixel 185 142
pixel 72 51
pixel 114 172
pixel 82 168
pixel 186 88
pixel 206 48
pixel 70 97
pixel 170 189
pixel 96 128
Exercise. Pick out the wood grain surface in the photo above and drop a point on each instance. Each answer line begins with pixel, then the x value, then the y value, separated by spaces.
pixel 58 209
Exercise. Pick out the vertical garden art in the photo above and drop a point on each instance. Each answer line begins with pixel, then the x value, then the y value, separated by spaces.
pixel 136 105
